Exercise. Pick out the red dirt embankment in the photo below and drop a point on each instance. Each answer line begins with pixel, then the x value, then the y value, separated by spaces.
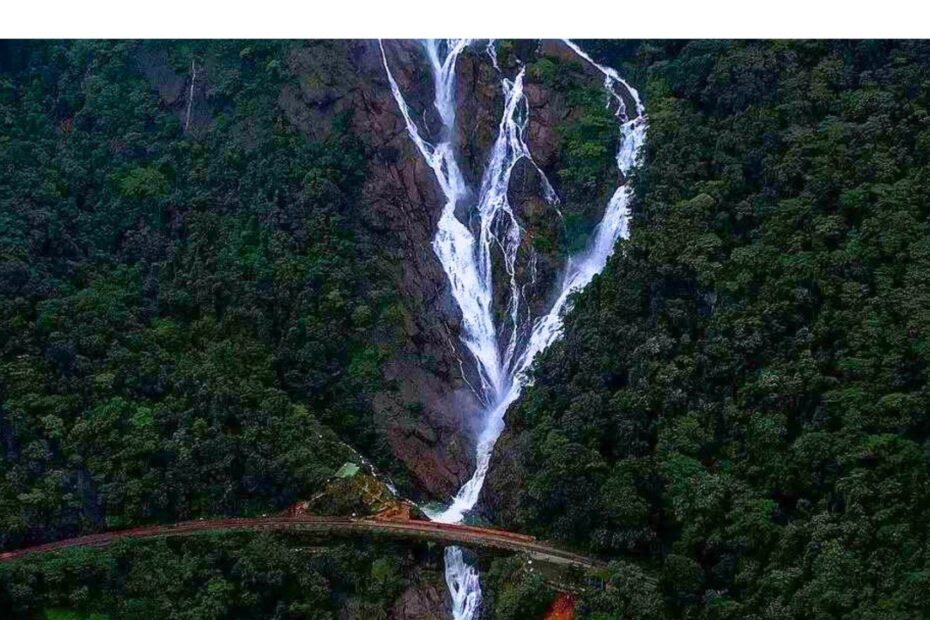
pixel 563 608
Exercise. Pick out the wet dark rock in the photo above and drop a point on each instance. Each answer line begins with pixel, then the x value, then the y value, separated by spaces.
pixel 425 598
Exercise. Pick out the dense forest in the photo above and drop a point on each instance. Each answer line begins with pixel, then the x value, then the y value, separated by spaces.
pixel 739 404
pixel 213 577
pixel 196 310
pixel 190 324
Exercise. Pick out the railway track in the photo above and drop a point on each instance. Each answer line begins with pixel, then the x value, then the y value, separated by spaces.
pixel 337 527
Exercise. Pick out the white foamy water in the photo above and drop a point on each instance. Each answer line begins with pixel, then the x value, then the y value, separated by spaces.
pixel 503 353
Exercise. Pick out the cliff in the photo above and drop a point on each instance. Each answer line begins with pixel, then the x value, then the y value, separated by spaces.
pixel 430 416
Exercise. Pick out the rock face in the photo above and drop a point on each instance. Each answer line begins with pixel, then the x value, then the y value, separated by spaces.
pixel 504 482
pixel 431 420
pixel 425 599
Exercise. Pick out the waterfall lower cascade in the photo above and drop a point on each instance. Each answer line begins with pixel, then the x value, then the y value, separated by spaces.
pixel 503 353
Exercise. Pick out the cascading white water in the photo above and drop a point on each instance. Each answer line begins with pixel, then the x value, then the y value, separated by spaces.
pixel 467 260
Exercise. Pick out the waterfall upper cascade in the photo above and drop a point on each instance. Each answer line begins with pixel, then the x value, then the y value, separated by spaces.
pixel 502 353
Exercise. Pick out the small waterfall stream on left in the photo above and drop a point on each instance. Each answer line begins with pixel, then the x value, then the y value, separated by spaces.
pixel 502 354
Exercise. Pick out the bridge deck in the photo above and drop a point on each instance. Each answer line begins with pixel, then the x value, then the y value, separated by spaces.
pixel 466 535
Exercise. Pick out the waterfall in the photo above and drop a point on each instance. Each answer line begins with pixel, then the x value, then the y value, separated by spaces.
pixel 502 354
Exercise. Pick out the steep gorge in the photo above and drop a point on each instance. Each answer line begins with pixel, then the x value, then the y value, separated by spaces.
pixel 478 242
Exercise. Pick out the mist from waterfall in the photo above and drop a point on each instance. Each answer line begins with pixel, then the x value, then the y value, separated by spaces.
pixel 502 354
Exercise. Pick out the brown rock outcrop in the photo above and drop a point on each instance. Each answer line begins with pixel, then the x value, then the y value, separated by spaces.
pixel 425 599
